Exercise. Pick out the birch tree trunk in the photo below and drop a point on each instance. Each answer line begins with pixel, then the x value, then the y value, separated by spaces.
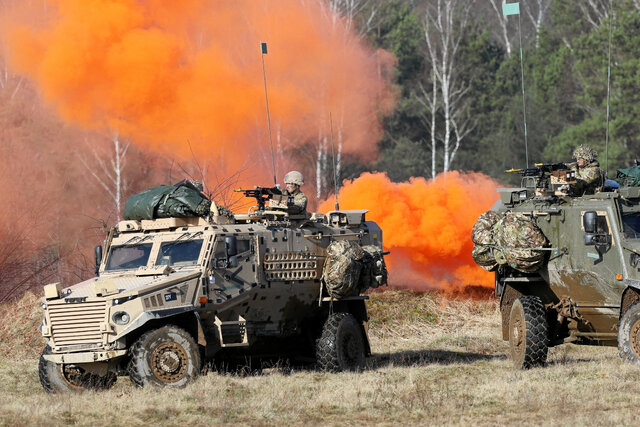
pixel 444 27
pixel 502 22
pixel 108 174
pixel 536 11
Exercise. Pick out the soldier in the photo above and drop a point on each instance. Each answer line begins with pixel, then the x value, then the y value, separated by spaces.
pixel 588 174
pixel 297 201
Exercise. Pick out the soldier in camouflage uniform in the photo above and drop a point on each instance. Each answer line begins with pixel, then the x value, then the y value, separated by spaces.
pixel 297 201
pixel 588 174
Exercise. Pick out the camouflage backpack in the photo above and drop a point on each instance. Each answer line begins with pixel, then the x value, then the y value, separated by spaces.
pixel 517 239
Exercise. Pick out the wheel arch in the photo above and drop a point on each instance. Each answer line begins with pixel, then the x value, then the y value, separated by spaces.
pixel 187 320
pixel 630 296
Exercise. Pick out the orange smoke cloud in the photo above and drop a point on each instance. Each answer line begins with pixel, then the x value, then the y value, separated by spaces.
pixel 426 225
pixel 186 77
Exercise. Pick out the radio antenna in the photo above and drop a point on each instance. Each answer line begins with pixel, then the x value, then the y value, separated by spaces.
pixel 263 52
pixel 514 9
pixel 606 142
pixel 335 171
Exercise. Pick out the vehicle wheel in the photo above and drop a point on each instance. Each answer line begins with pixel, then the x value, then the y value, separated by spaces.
pixel 629 335
pixel 528 332
pixel 66 378
pixel 341 345
pixel 167 356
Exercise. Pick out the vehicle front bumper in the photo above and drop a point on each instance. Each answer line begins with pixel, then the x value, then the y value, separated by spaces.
pixel 84 357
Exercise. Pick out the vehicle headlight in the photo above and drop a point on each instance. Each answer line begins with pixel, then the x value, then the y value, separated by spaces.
pixel 121 317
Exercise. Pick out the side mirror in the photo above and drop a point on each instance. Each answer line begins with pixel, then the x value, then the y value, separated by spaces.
pixel 231 246
pixel 97 253
pixel 589 239
pixel 589 222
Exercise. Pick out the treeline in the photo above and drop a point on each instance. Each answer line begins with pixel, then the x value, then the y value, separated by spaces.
pixel 459 83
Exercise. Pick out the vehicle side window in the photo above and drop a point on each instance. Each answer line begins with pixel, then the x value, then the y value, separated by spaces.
pixel 631 225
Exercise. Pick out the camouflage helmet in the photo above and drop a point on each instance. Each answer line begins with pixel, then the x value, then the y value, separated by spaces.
pixel 294 177
pixel 585 152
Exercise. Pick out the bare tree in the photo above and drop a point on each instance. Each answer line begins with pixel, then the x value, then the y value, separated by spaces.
pixel 503 23
pixel 430 103
pixel 536 11
pixel 444 27
pixel 108 173
pixel 366 10
pixel 594 11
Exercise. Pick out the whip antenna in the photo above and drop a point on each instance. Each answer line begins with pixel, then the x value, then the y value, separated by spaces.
pixel 335 171
pixel 514 9
pixel 263 52
pixel 606 143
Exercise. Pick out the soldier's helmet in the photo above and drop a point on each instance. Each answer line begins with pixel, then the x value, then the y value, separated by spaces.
pixel 294 177
pixel 585 152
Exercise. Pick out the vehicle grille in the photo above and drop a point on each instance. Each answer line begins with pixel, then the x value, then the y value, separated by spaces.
pixel 77 323
pixel 291 266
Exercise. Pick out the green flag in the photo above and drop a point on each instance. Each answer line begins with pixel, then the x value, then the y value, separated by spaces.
pixel 263 47
pixel 510 9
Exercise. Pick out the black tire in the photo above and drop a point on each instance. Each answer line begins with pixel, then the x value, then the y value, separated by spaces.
pixel 341 345
pixel 167 356
pixel 528 332
pixel 66 378
pixel 629 335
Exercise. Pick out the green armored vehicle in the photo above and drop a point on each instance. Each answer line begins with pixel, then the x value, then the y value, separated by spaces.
pixel 173 293
pixel 567 269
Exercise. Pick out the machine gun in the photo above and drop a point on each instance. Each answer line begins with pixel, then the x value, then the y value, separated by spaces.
pixel 261 194
pixel 546 175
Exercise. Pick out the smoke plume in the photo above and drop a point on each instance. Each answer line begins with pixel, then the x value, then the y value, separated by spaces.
pixel 426 225
pixel 185 78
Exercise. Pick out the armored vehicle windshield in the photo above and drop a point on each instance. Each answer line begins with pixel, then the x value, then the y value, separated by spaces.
pixel 179 254
pixel 174 250
pixel 128 256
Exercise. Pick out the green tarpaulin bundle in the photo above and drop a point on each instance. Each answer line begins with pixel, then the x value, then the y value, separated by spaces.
pixel 629 177
pixel 166 201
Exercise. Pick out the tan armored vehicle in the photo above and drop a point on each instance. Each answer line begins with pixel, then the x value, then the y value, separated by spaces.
pixel 567 268
pixel 173 293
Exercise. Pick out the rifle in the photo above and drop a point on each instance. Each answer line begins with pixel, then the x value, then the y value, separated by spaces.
pixel 545 174
pixel 261 194
pixel 540 169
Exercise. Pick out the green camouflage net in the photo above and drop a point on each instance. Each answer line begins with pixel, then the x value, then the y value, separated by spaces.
pixel 516 236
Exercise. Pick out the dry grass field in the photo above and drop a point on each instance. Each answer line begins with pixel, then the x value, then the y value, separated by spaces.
pixel 436 360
